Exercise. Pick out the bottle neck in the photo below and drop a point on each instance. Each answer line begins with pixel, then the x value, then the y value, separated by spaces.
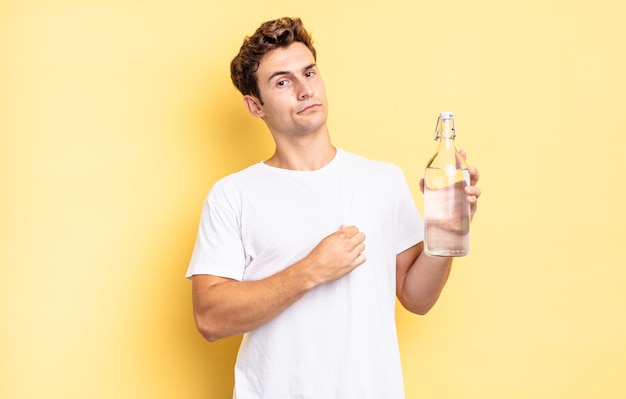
pixel 446 144
pixel 445 129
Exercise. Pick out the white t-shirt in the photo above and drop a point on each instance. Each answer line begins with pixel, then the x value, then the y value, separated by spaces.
pixel 339 340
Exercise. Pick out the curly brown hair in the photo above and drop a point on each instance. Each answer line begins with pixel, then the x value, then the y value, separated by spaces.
pixel 270 35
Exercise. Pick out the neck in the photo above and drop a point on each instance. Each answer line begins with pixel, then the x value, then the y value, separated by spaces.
pixel 305 153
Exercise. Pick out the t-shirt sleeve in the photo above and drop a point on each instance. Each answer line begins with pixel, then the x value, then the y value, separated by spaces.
pixel 410 223
pixel 218 250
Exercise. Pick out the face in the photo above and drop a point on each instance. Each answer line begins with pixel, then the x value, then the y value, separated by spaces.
pixel 293 93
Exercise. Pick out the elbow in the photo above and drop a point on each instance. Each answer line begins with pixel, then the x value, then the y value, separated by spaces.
pixel 422 310
pixel 208 335
pixel 418 304
pixel 208 329
pixel 418 308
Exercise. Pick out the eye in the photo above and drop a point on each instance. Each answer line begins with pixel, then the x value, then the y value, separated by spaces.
pixel 282 83
pixel 308 74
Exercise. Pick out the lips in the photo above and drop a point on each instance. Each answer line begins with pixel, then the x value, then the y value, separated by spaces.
pixel 310 107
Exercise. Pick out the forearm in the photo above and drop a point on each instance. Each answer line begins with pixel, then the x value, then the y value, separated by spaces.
pixel 225 307
pixel 233 307
pixel 420 279
pixel 424 282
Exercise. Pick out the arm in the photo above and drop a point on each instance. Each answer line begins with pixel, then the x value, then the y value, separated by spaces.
pixel 224 307
pixel 420 278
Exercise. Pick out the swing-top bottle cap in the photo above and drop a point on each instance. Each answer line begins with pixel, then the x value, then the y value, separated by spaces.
pixel 446 115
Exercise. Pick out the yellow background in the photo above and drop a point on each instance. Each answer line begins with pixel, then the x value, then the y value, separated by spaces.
pixel 116 117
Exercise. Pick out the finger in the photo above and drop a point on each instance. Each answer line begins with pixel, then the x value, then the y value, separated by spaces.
pixel 463 154
pixel 473 172
pixel 474 175
pixel 473 191
pixel 472 200
pixel 359 248
pixel 350 230
pixel 358 239
pixel 360 259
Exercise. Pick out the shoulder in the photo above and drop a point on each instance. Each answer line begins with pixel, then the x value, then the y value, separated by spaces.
pixel 250 173
pixel 233 186
pixel 369 167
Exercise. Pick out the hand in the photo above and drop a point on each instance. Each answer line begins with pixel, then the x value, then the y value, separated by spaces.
pixel 472 193
pixel 338 254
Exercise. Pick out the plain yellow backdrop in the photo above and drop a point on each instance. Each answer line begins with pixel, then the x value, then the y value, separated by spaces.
pixel 116 117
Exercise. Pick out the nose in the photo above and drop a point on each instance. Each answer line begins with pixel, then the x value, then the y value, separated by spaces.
pixel 305 90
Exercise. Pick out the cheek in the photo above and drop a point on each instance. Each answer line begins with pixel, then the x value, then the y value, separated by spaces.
pixel 282 106
pixel 276 113
pixel 321 88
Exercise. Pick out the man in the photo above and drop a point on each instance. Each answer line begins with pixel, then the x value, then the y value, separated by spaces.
pixel 305 253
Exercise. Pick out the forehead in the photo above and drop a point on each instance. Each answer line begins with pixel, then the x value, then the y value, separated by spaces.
pixel 288 59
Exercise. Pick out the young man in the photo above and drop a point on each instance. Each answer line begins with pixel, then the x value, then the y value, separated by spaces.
pixel 305 253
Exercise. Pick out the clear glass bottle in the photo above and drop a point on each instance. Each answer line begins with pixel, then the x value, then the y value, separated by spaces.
pixel 446 211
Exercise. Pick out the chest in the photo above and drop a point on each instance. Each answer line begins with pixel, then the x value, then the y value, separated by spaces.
pixel 285 220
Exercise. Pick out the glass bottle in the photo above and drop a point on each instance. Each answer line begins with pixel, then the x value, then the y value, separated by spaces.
pixel 446 211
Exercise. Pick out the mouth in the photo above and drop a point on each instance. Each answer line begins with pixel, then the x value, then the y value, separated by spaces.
pixel 308 108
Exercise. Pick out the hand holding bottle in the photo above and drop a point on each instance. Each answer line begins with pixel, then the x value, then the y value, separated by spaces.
pixel 450 195
pixel 472 193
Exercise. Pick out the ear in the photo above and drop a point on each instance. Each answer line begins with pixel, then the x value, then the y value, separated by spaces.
pixel 253 105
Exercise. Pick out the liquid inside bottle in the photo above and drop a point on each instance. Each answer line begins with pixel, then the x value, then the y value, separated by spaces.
pixel 446 211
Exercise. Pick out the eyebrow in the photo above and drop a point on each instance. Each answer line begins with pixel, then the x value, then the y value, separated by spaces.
pixel 278 73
